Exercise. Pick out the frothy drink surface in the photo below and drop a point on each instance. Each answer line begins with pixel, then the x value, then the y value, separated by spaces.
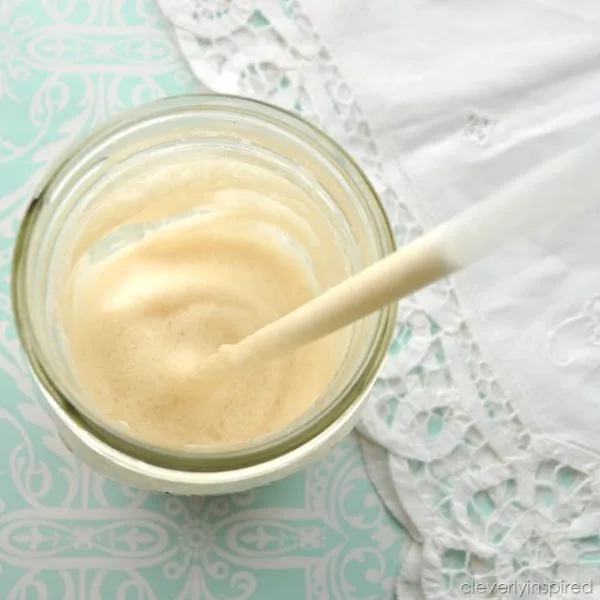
pixel 174 263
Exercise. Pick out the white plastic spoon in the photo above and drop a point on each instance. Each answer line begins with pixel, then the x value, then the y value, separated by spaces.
pixel 552 192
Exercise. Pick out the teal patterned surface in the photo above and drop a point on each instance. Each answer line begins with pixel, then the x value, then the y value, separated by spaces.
pixel 66 532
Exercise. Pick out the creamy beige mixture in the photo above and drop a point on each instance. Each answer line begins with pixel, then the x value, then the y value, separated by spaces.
pixel 174 263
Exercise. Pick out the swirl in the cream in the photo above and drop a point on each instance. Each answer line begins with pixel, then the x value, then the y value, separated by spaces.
pixel 179 260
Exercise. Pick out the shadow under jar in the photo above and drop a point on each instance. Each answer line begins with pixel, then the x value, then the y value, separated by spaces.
pixel 203 123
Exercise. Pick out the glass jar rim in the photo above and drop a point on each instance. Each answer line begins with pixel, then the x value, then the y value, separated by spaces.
pixel 215 459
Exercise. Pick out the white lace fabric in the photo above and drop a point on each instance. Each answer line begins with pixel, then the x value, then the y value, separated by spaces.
pixel 487 496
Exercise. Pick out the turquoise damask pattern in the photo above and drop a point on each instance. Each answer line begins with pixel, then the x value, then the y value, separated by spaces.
pixel 67 533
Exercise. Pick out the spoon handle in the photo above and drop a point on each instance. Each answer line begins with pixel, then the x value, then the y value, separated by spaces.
pixel 552 192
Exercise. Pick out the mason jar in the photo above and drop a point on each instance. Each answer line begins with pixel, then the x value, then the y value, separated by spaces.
pixel 64 199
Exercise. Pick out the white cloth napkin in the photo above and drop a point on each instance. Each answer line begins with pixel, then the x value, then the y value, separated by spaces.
pixel 483 433
pixel 463 96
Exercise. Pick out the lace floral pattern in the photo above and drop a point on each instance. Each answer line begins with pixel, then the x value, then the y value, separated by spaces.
pixel 584 326
pixel 485 500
